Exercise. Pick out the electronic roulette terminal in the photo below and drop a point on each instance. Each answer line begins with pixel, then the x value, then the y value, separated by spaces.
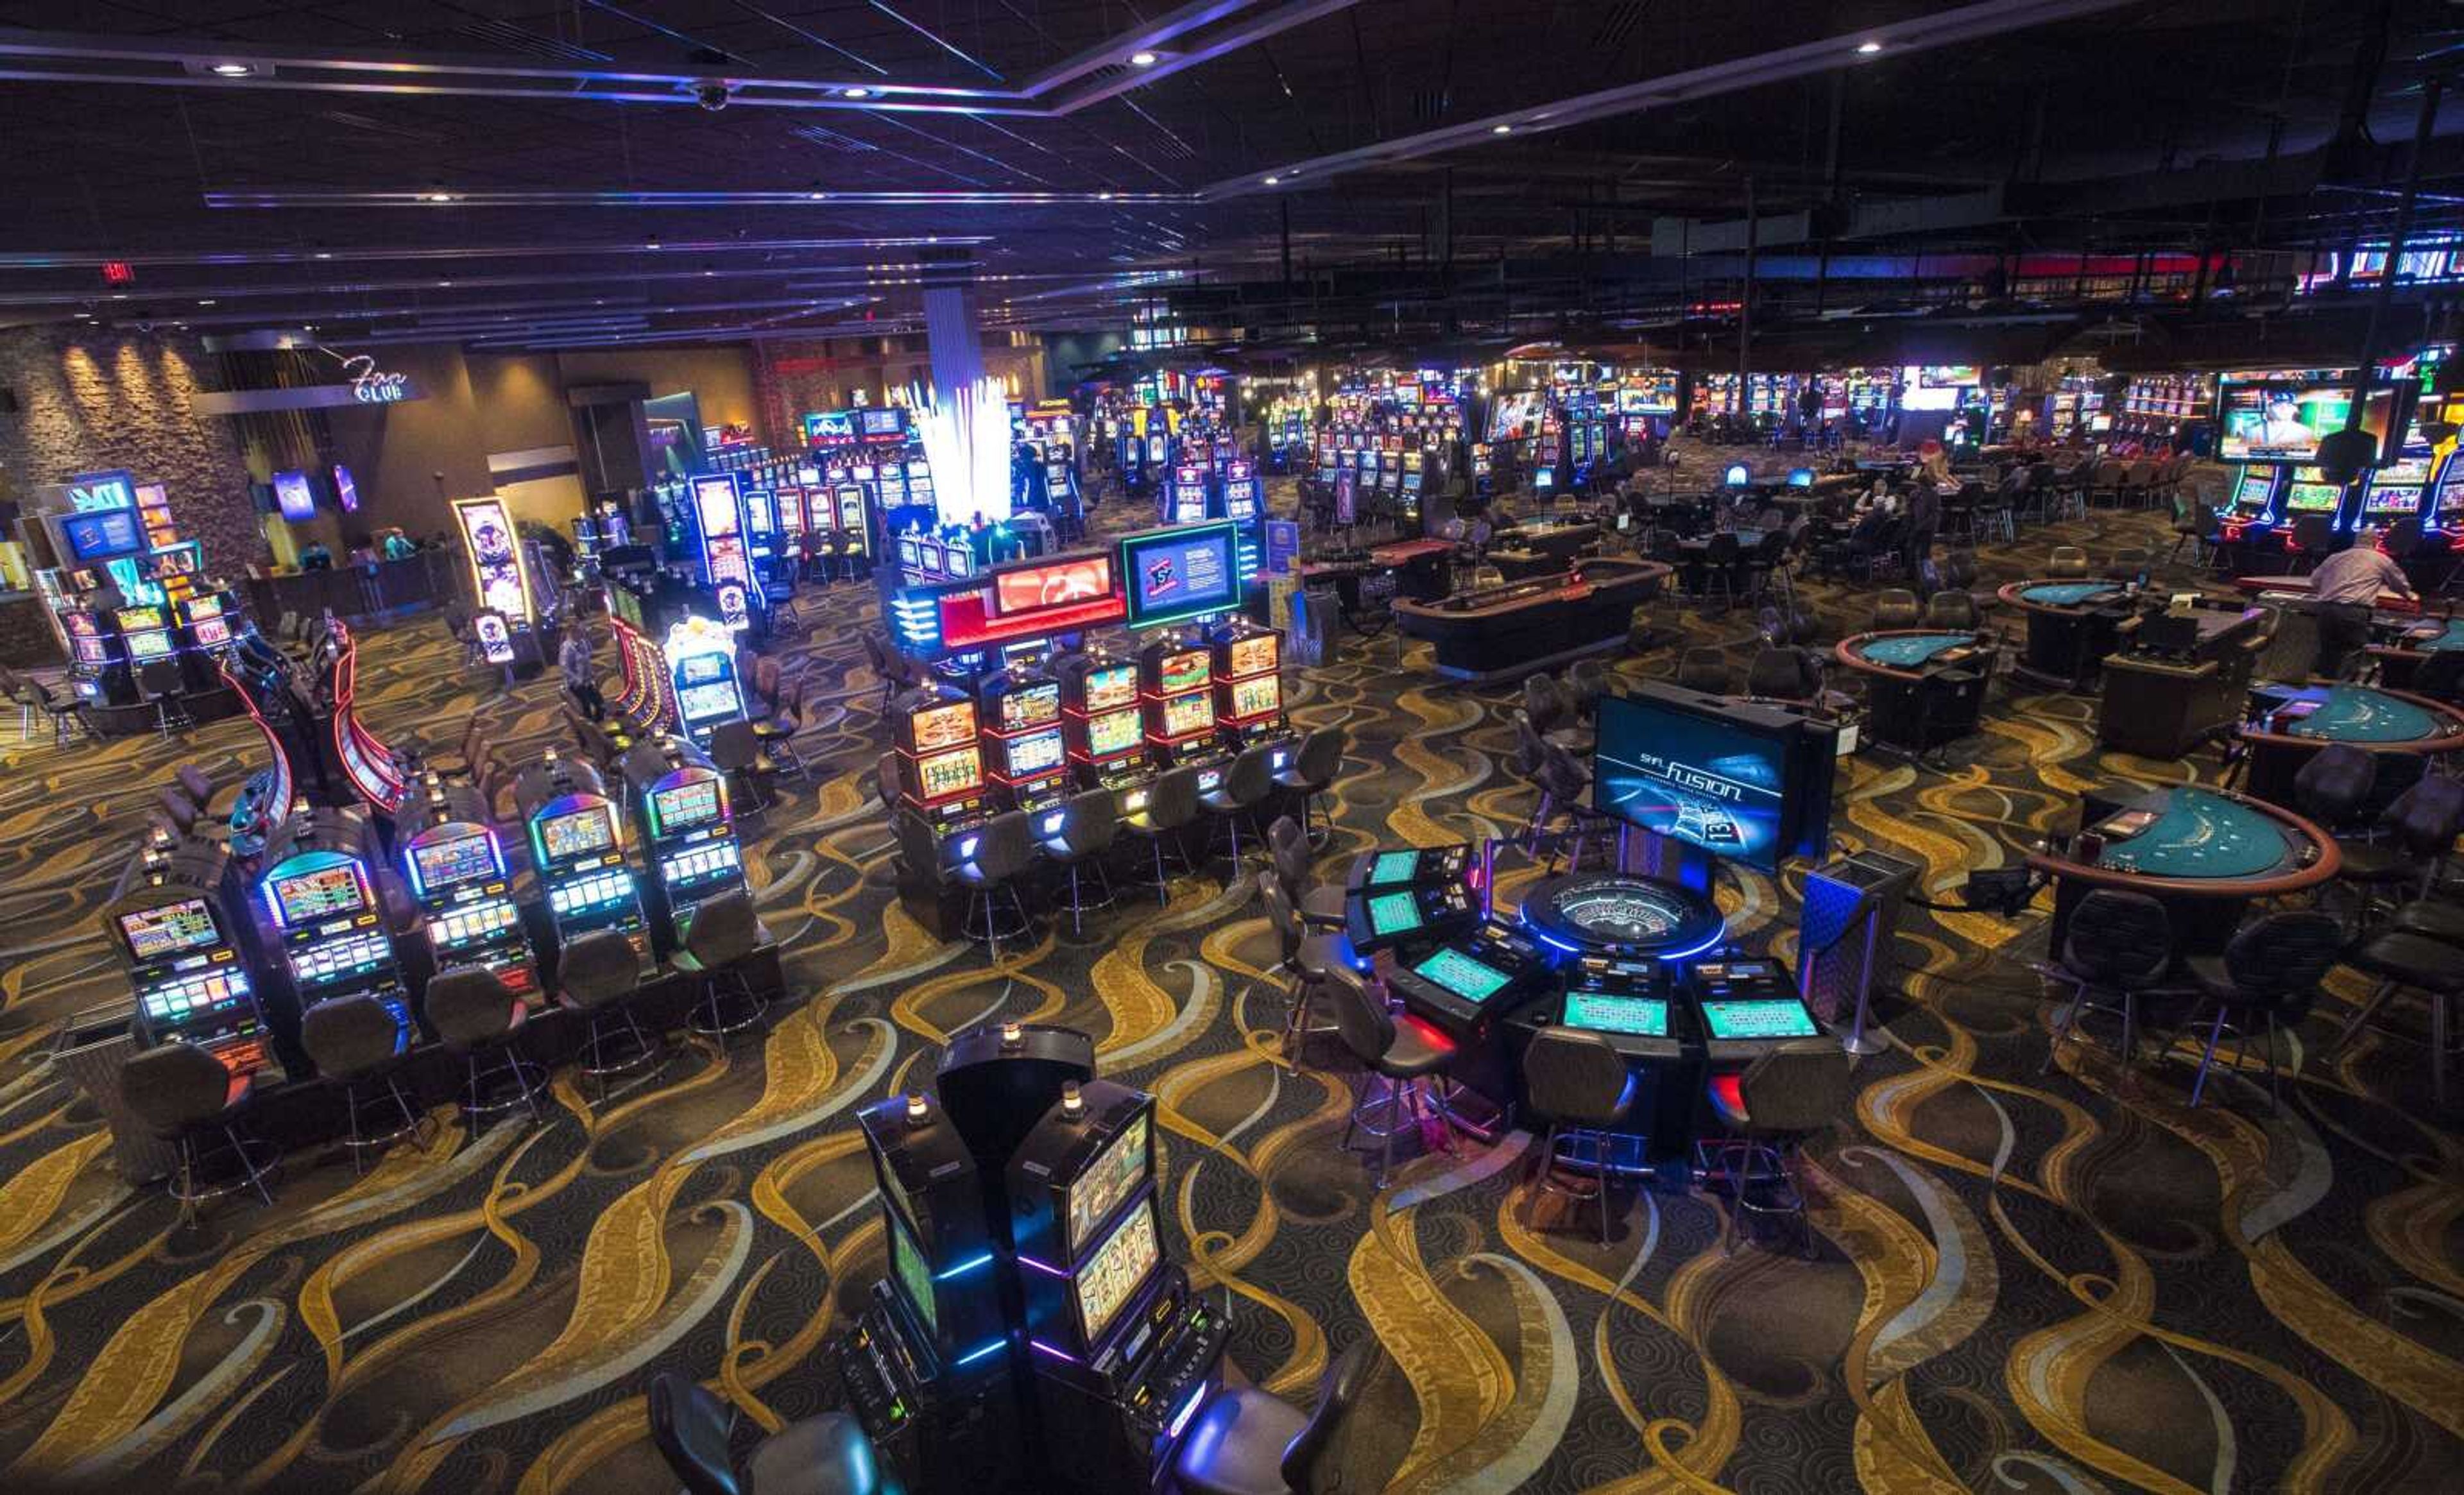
pixel 1616 913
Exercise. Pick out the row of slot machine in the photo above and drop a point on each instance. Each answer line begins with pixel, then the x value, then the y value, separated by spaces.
pixel 107 646
pixel 1388 465
pixel 229 953
pixel 827 502
pixel 1227 490
pixel 2265 497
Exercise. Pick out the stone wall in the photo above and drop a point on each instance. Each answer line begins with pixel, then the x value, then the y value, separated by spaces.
pixel 93 401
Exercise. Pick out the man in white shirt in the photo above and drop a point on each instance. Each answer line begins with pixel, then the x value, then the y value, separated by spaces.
pixel 2344 586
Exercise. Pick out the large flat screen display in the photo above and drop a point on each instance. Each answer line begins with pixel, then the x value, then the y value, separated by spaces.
pixel 292 496
pixel 1056 583
pixel 449 863
pixel 170 929
pixel 2283 423
pixel 579 832
pixel 105 532
pixel 1112 1176
pixel 1712 778
pixel 1112 1276
pixel 1177 574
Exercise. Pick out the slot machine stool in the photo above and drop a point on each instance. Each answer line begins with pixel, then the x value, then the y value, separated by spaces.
pixel 1580 1082
pixel 356 1044
pixel 1074 840
pixel 1308 961
pixel 822 1455
pixel 1768 1109
pixel 1171 804
pixel 473 1011
pixel 1308 773
pixel 989 861
pixel 181 1092
pixel 598 977
pixel 723 934
pixel 1246 1441
pixel 1401 1051
pixel 1243 785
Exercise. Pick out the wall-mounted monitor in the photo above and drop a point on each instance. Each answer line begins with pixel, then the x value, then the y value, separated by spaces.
pixel 102 534
pixel 2284 423
pixel 1175 574
pixel 296 500
pixel 346 489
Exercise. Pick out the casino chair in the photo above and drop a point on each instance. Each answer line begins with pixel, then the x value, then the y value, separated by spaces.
pixel 2429 964
pixel 1586 681
pixel 354 1044
pixel 1306 960
pixel 1289 847
pixel 67 714
pixel 1722 558
pixel 1580 1082
pixel 2415 833
pixel 1896 608
pixel 1551 710
pixel 2117 947
pixel 2126 565
pixel 2313 541
pixel 2067 562
pixel 182 1094
pixel 776 733
pixel 1076 834
pixel 182 810
pixel 1706 671
pixel 159 681
pixel 1239 787
pixel 988 861
pixel 1248 1442
pixel 1400 1050
pixel 2267 974
pixel 826 1454
pixel 721 935
pixel 1951 611
pixel 1310 772
pixel 1785 674
pixel 2333 787
pixel 473 1012
pixel 2441 676
pixel 736 751
pixel 1568 784
pixel 598 977
pixel 196 786
pixel 1769 1110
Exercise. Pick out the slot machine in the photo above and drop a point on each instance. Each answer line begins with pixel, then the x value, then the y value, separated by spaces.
pixel 145 636
pixel 1326 458
pixel 185 968
pixel 1634 1004
pixel 456 870
pixel 1185 498
pixel 2394 492
pixel 1248 682
pixel 854 527
pixel 2443 511
pixel 940 764
pixel 2253 506
pixel 2308 491
pixel 702 666
pixel 330 929
pixel 1465 987
pixel 1245 494
pixel 687 832
pixel 577 853
pixel 1102 720
pixel 1743 1008
pixel 1176 688
pixel 96 659
pixel 1123 1350
pixel 204 636
pixel 1025 747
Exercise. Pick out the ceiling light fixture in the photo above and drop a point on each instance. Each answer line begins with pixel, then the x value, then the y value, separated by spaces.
pixel 437 197
pixel 1142 59
pixel 1501 129
pixel 816 197
pixel 324 254
pixel 1103 197
pixel 1866 49
pixel 1271 181
pixel 204 300
pixel 230 69
pixel 855 93
pixel 445 282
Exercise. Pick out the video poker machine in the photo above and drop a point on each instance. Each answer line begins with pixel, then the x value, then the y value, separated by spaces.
pixel 1177 690
pixel 322 895
pixel 700 657
pixel 679 802
pixel 1124 1351
pixel 1103 721
pixel 939 752
pixel 456 870
pixel 577 853
pixel 191 983
pixel 1186 497
pixel 1024 745
pixel 1248 681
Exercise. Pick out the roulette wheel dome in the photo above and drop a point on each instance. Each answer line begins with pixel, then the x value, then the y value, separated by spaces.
pixel 1622 915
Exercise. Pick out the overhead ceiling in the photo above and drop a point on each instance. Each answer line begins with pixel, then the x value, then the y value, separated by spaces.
pixel 514 173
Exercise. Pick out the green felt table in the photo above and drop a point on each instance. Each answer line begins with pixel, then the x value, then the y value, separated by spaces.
pixel 2452 636
pixel 2199 833
pixel 2067 594
pixel 2358 713
pixel 1909 651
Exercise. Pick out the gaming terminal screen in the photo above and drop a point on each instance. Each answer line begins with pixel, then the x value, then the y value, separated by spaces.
pixel 169 930
pixel 1712 782
pixel 1112 1276
pixel 455 860
pixel 579 832
pixel 1112 1175
pixel 305 897
pixel 685 805
pixel 914 1274
pixel 1473 980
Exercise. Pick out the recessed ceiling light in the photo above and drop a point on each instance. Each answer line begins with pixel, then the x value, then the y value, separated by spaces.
pixel 445 282
pixel 1866 49
pixel 1271 181
pixel 437 197
pixel 204 300
pixel 815 197
pixel 855 93
pixel 1501 129
pixel 324 254
pixel 232 69
pixel 1142 59
pixel 1103 197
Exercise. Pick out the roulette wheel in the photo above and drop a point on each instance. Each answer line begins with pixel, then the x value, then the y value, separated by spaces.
pixel 1616 913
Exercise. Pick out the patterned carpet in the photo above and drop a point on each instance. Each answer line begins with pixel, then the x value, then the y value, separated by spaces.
pixel 2023 1283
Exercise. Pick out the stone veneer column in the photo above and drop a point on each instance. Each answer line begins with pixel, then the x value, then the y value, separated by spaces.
pixel 94 400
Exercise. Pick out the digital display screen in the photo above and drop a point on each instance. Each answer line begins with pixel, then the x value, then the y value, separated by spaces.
pixel 1112 687
pixel 104 532
pixel 153 644
pixel 305 897
pixel 1394 866
pixel 132 619
pixel 2284 423
pixel 950 773
pixel 1392 912
pixel 346 490
pixel 292 496
pixel 1184 715
pixel 579 832
pixel 90 650
pixel 714 506
pixel 173 929
pixel 1114 731
pixel 1473 980
pixel 1186 672
pixel 211 631
pixel 1059 583
pixel 1113 1275
pixel 1109 1177
pixel 206 607
pixel 1178 574
pixel 910 554
pixel 1257 697
pixel 1710 783
pixel 913 1273
pixel 2257 487
pixel 685 805
pixel 1647 1017
pixel 702 702
pixel 881 421
pixel 2310 493
pixel 1730 1020
pixel 1034 753
pixel 1252 655
pixel 941 726
pixel 438 865
pixel 1031 705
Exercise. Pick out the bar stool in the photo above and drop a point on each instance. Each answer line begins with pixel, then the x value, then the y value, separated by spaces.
pixel 1076 835
pixel 597 975
pixel 1768 1111
pixel 2420 825
pixel 182 1092
pixel 2429 965
pixel 1706 671
pixel 736 751
pixel 473 1012
pixel 1309 773
pixel 1248 1442
pixel 159 680
pixel 1287 847
pixel 721 937
pixel 1950 611
pixel 2067 562
pixel 67 714
pixel 1171 804
pixel 354 1042
pixel 1896 608
pixel 990 860
pixel 1582 1083
pixel 2118 945
pixel 826 1454
pixel 1307 961
pixel 2269 970
pixel 1242 786
pixel 1401 1051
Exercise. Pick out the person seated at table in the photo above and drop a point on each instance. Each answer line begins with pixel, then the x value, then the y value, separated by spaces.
pixel 2345 588
pixel 315 556
pixel 1863 538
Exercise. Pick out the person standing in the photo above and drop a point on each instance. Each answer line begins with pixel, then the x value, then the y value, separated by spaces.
pixel 2343 588
pixel 580 676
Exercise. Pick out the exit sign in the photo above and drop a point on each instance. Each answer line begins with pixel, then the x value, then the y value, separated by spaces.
pixel 118 272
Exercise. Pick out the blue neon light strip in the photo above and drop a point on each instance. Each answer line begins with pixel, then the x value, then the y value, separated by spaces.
pixel 970 1265
pixel 980 1351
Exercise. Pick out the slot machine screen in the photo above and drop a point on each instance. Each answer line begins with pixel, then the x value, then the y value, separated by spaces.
pixel 1645 1017
pixel 1034 753
pixel 439 865
pixel 929 558
pixel 173 929
pixel 2256 488
pixel 1114 731
pixel 579 832
pixel 1185 671
pixel 1257 697
pixel 305 897
pixel 914 1274
pixel 156 645
pixel 685 805
pixel 2302 498
pixel 1252 655
pixel 202 608
pixel 1184 715
pixel 133 620
pixel 1031 707
pixel 212 631
pixel 1111 687
pixel 950 773
pixel 1473 980
pixel 1112 1276
pixel 911 555
pixel 90 650
pixel 700 702
pixel 940 726
pixel 1734 1020
pixel 1112 1176
pixel 1394 913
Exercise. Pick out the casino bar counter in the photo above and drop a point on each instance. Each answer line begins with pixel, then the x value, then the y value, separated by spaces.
pixel 369 590
pixel 1502 633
